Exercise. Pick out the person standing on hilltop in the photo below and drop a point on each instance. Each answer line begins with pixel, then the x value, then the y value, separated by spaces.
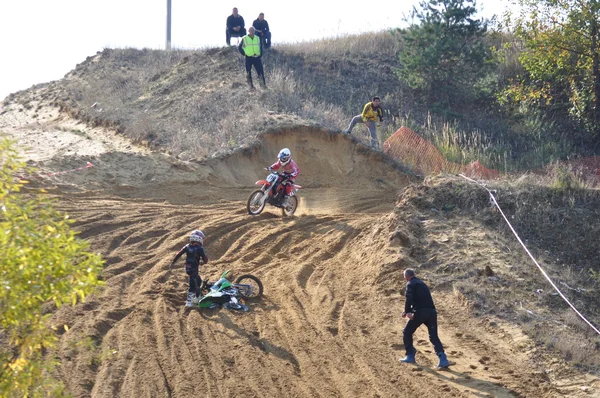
pixel 371 112
pixel 235 26
pixel 419 309
pixel 250 48
pixel 261 28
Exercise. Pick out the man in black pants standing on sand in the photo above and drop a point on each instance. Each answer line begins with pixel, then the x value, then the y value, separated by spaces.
pixel 419 309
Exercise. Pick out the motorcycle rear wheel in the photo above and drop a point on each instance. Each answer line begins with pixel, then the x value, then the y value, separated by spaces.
pixel 254 282
pixel 254 205
pixel 289 209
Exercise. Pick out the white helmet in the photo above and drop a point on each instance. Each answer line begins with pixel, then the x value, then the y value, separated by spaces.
pixel 284 156
pixel 197 236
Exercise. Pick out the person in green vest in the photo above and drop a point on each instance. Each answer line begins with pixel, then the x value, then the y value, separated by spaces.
pixel 250 48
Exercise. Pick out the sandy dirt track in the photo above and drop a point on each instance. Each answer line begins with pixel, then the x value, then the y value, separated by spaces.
pixel 328 325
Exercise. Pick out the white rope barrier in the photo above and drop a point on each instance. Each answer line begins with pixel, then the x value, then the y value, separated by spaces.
pixel 530 255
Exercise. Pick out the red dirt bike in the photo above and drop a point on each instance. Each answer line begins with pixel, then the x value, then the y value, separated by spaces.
pixel 272 191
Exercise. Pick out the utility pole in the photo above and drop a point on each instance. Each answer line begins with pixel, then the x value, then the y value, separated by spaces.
pixel 168 25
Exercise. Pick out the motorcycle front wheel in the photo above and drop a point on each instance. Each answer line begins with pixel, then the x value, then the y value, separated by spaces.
pixel 250 286
pixel 290 207
pixel 255 204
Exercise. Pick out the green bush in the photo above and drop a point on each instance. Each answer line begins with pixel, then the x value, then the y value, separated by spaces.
pixel 41 260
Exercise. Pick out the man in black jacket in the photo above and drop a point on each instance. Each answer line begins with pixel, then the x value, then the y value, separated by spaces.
pixel 261 27
pixel 235 26
pixel 419 309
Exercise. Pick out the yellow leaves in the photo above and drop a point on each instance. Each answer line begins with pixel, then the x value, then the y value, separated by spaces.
pixel 78 293
pixel 41 260
pixel 18 365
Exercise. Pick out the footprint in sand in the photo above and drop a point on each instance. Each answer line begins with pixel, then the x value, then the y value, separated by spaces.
pixel 484 360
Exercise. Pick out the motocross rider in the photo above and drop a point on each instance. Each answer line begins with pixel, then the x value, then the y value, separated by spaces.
pixel 194 253
pixel 289 168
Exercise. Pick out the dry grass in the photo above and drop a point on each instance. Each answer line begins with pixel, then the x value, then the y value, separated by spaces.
pixel 347 46
pixel 568 335
pixel 286 95
pixel 195 104
pixel 547 214
pixel 464 147
pixel 545 218
pixel 495 151
pixel 161 99
pixel 547 320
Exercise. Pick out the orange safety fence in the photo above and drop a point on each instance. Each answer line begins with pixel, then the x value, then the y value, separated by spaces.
pixel 478 170
pixel 407 147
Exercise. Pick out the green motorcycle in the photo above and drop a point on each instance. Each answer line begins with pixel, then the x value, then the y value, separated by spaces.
pixel 225 294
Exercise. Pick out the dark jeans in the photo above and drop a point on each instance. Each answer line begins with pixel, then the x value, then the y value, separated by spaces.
pixel 195 280
pixel 265 40
pixel 428 317
pixel 257 62
pixel 229 33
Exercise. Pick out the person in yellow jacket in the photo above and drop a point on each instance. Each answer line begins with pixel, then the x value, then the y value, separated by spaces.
pixel 250 48
pixel 369 116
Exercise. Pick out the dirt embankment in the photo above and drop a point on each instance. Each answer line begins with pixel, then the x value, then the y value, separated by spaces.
pixel 329 323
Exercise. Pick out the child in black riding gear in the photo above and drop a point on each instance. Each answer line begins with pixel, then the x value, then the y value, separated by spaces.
pixel 194 254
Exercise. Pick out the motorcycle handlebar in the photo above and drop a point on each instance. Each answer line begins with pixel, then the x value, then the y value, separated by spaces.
pixel 276 172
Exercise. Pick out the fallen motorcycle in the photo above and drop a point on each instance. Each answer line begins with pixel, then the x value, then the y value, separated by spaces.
pixel 272 191
pixel 226 294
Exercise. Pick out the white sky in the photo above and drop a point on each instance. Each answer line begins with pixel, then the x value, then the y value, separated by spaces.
pixel 42 40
